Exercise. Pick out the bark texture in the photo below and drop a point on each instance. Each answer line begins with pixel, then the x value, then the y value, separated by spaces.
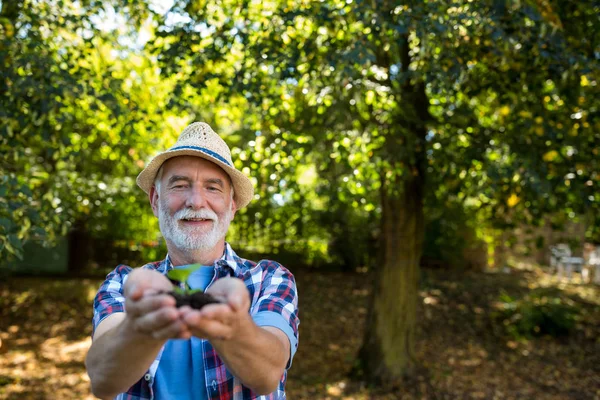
pixel 387 352
pixel 386 355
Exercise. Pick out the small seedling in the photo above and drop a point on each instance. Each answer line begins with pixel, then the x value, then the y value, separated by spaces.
pixel 186 296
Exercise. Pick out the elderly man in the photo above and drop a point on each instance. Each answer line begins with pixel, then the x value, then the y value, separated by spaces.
pixel 144 347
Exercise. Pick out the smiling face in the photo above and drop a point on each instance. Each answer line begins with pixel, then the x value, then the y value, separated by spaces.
pixel 194 206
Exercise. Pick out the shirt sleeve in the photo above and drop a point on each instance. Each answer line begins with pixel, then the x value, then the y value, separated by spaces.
pixel 277 303
pixel 110 299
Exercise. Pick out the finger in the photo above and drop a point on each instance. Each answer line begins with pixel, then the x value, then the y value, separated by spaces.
pixel 185 309
pixel 147 304
pixel 192 318
pixel 237 303
pixel 200 320
pixel 197 319
pixel 207 328
pixel 160 282
pixel 146 279
pixel 135 293
pixel 214 330
pixel 216 311
pixel 177 329
pixel 226 286
pixel 154 292
pixel 156 320
pixel 233 291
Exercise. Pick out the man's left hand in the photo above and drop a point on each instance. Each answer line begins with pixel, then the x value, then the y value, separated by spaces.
pixel 224 320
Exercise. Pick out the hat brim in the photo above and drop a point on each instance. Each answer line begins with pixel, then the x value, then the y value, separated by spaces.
pixel 242 186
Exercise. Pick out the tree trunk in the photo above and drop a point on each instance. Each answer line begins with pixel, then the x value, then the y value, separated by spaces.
pixel 81 248
pixel 386 355
pixel 387 352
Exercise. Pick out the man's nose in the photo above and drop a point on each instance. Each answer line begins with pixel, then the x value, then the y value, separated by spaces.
pixel 195 199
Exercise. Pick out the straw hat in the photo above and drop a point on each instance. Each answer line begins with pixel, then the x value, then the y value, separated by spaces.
pixel 199 140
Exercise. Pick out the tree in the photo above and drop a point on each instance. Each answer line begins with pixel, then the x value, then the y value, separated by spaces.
pixel 76 120
pixel 498 98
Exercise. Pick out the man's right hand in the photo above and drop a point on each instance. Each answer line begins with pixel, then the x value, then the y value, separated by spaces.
pixel 149 310
pixel 126 344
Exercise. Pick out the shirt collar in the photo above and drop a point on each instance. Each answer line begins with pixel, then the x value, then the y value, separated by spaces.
pixel 229 260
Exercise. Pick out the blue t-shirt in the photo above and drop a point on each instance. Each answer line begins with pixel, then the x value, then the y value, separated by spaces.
pixel 180 373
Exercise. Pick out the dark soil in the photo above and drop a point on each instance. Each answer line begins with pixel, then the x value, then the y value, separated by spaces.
pixel 195 300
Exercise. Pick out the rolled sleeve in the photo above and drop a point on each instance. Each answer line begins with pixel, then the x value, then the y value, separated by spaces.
pixel 277 303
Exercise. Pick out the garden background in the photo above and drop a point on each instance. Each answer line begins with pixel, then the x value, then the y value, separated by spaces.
pixel 413 164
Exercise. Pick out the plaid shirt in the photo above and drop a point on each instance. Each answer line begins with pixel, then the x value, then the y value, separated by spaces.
pixel 272 289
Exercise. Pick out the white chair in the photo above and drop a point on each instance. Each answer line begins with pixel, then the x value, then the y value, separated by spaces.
pixel 561 259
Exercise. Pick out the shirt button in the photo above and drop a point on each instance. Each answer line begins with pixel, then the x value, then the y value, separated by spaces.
pixel 214 385
pixel 147 377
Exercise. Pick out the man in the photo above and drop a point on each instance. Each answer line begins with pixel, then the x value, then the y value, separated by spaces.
pixel 144 347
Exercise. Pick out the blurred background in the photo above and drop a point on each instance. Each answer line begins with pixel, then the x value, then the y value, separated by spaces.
pixel 428 170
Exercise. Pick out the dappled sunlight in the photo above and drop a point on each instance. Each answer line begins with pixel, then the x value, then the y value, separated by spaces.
pixel 541 276
pixel 462 350
pixel 56 349
pixel 468 348
pixel 55 370
pixel 45 329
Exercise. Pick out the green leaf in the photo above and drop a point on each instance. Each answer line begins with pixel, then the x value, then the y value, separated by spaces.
pixel 6 223
pixel 182 274
pixel 15 242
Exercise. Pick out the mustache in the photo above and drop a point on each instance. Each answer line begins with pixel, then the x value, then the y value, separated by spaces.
pixel 203 213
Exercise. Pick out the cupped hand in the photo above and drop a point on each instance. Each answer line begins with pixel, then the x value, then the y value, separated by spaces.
pixel 224 320
pixel 150 311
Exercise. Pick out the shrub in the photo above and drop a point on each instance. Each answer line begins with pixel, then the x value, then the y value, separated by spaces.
pixel 536 314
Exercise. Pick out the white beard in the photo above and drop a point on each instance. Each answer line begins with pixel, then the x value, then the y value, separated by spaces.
pixel 190 238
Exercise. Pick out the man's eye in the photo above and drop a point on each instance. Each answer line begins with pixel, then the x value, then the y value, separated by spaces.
pixel 213 188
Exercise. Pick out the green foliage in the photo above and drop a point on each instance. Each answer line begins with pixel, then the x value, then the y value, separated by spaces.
pixel 536 314
pixel 492 104
pixel 80 113
pixel 499 97
pixel 446 230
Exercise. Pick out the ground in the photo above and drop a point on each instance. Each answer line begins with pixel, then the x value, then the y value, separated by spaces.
pixel 463 349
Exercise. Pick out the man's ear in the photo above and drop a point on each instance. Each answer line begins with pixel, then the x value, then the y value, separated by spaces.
pixel 233 208
pixel 153 196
